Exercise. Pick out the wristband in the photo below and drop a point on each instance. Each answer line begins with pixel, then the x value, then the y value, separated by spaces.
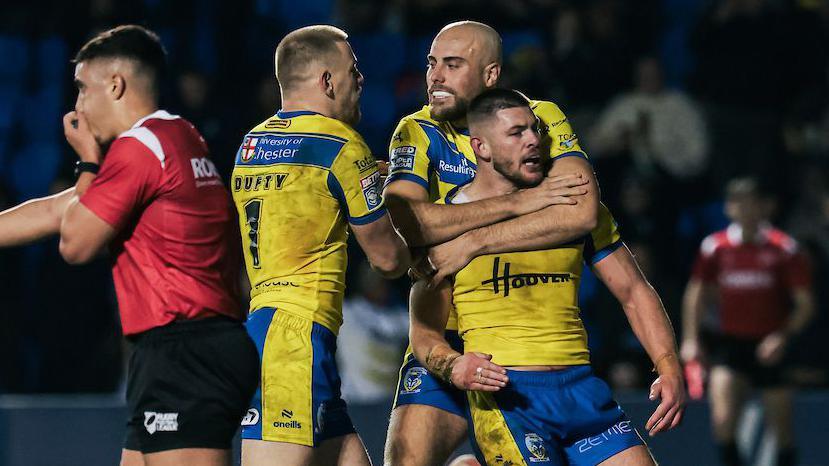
pixel 90 167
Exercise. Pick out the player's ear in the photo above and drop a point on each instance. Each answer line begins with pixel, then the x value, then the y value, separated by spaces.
pixel 117 86
pixel 326 85
pixel 491 74
pixel 481 148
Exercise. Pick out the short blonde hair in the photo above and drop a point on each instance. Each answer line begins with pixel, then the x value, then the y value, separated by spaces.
pixel 301 48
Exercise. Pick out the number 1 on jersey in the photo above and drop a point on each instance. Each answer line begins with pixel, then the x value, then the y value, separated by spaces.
pixel 253 210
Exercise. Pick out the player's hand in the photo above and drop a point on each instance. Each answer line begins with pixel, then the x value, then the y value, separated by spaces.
pixel 560 189
pixel 448 258
pixel 383 168
pixel 770 350
pixel 80 137
pixel 476 371
pixel 670 388
pixel 690 350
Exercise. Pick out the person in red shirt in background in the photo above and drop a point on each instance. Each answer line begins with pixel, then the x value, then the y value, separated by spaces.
pixel 760 283
pixel 147 189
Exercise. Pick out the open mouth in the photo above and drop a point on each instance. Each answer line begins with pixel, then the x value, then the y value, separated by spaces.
pixel 440 95
pixel 532 162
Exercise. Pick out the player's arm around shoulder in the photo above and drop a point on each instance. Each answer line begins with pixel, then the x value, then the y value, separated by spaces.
pixel 356 182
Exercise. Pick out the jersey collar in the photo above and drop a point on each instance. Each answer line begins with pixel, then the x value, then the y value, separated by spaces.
pixel 158 114
pixel 734 232
pixel 285 115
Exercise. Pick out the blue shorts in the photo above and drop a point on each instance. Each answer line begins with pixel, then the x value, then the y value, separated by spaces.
pixel 418 386
pixel 565 417
pixel 298 400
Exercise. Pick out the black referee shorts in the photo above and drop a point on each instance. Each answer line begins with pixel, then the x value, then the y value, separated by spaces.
pixel 189 385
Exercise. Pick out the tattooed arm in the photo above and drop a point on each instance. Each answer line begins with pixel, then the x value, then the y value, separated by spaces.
pixel 429 311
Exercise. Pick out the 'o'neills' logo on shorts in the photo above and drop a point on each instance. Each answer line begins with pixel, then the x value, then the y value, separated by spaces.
pixel 502 282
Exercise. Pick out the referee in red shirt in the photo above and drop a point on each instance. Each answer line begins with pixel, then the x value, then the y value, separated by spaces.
pixel 761 285
pixel 155 198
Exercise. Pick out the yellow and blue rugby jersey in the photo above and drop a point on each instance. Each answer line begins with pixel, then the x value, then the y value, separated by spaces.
pixel 439 157
pixel 299 179
pixel 522 307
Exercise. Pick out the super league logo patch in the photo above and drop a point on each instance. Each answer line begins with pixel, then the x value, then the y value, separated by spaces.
pixel 402 158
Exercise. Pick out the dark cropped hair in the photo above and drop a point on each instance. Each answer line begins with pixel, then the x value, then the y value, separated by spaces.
pixel 131 42
pixel 489 102
pixel 748 186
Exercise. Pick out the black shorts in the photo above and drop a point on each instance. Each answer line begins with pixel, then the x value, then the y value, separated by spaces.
pixel 189 385
pixel 740 355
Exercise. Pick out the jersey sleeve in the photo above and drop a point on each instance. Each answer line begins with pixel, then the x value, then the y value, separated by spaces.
pixel 408 154
pixel 355 181
pixel 556 131
pixel 705 266
pixel 798 271
pixel 604 239
pixel 129 179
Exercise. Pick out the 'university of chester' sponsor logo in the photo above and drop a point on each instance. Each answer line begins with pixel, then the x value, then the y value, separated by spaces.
pixel 260 182
pixel 412 380
pixel 371 190
pixel 402 158
pixel 535 444
pixel 268 149
pixel 503 282
pixel 620 428
pixel 251 417
pixel 160 422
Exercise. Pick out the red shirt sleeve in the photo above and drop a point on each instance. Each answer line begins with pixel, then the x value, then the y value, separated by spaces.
pixel 705 267
pixel 798 271
pixel 129 178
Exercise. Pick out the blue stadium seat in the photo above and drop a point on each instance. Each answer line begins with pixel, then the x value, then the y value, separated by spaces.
pixel 513 41
pixel 42 115
pixel 380 55
pixel 52 60
pixel 15 53
pixel 33 168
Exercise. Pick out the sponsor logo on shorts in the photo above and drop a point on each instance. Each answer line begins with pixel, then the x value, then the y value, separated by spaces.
pixel 288 414
pixel 371 190
pixel 508 280
pixel 620 428
pixel 251 417
pixel 402 158
pixel 412 380
pixel 160 422
pixel 535 444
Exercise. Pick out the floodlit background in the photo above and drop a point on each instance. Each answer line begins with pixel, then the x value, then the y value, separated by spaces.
pixel 670 99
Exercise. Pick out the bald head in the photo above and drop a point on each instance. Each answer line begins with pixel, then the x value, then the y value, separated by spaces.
pixel 484 42
pixel 300 51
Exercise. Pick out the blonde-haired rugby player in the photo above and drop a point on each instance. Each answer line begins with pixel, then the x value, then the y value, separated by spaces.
pixel 302 179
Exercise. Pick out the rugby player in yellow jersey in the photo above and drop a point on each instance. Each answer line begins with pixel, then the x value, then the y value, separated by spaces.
pixel 520 311
pixel 302 178
pixel 430 154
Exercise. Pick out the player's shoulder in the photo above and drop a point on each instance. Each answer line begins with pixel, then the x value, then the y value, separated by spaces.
pixel 548 111
pixel 714 242
pixel 781 240
pixel 148 134
pixel 419 119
